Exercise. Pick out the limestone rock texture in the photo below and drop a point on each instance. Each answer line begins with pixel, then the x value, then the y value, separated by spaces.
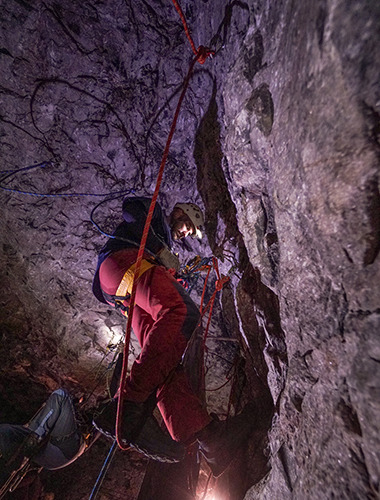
pixel 278 141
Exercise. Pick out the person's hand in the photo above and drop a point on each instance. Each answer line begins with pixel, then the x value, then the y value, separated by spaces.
pixel 168 259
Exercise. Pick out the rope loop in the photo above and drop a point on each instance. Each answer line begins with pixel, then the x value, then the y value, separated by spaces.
pixel 203 53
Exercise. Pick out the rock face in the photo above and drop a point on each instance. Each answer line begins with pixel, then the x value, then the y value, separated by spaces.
pixel 301 141
pixel 278 140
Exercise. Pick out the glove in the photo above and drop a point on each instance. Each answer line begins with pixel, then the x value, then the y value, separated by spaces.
pixel 168 259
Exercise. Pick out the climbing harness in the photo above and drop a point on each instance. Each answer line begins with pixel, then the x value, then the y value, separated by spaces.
pixel 125 288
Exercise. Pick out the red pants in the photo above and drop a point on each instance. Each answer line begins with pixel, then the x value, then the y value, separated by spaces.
pixel 164 319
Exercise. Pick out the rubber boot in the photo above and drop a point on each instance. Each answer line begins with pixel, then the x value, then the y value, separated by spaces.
pixel 219 441
pixel 139 429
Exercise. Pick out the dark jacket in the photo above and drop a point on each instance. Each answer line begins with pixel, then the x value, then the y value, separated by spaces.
pixel 128 234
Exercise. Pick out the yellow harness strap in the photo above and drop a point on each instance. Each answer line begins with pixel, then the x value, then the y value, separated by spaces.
pixel 126 283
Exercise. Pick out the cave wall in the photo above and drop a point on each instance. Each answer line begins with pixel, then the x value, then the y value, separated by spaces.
pixel 301 140
pixel 278 140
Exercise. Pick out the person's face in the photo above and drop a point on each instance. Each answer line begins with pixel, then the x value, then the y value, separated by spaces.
pixel 181 226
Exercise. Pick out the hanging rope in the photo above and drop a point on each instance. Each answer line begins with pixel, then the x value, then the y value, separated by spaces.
pixel 202 52
pixel 219 284
pixel 103 471
pixel 201 56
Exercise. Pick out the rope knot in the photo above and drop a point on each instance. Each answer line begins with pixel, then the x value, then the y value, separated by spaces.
pixel 219 284
pixel 203 53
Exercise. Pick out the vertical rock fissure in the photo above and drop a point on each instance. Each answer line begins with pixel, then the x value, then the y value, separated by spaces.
pixel 258 325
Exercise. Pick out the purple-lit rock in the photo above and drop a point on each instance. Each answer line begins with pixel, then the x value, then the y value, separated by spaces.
pixel 278 141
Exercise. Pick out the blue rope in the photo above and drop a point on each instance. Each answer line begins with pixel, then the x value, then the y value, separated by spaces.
pixel 103 471
pixel 22 169
pixel 10 173
pixel 63 195
pixel 113 195
pixel 101 203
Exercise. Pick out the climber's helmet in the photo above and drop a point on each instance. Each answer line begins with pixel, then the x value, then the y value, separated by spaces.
pixel 194 213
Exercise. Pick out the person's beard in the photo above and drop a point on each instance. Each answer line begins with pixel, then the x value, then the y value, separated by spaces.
pixel 176 235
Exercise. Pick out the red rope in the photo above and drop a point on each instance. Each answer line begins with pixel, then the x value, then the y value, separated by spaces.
pixel 219 284
pixel 187 31
pixel 202 52
pixel 204 290
pixel 201 56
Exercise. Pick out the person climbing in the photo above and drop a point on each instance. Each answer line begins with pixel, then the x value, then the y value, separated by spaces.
pixel 164 320
pixel 56 436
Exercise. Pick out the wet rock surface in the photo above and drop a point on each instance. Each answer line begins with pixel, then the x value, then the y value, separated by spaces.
pixel 278 141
